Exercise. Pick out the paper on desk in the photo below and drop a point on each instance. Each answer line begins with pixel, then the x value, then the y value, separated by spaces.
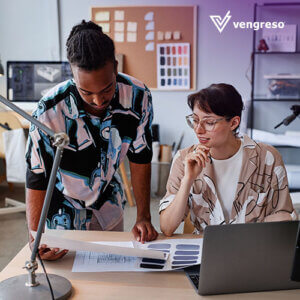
pixel 86 261
pixel 73 245
pixel 182 253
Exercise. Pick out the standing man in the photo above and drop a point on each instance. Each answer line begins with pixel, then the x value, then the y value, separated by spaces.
pixel 106 116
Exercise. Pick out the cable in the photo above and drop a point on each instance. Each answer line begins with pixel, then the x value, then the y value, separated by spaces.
pixel 49 284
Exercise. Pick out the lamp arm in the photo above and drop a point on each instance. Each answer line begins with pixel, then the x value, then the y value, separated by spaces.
pixel 47 201
pixel 60 141
pixel 27 116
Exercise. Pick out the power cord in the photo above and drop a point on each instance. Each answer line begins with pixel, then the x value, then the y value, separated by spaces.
pixel 49 284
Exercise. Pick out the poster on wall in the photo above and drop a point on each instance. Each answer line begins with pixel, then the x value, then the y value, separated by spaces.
pixel 173 66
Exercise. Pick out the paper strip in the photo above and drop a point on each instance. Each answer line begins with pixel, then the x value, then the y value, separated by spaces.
pixel 150 47
pixel 149 36
pixel 105 27
pixel 119 26
pixel 102 16
pixel 119 15
pixel 131 36
pixel 160 35
pixel 177 35
pixel 150 26
pixel 119 37
pixel 149 16
pixel 73 245
pixel 132 26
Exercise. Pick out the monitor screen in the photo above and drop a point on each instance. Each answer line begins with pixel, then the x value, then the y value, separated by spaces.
pixel 31 80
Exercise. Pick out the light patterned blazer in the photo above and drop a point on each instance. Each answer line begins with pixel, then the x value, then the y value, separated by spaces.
pixel 262 193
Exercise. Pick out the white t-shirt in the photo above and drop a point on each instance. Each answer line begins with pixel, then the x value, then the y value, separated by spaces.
pixel 227 172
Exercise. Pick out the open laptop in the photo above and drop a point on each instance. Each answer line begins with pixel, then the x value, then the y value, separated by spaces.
pixel 243 258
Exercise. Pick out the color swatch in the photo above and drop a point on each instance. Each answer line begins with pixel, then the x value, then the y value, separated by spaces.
pixel 173 66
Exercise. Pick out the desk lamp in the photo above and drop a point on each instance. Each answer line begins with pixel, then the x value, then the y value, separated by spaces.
pixel 36 286
pixel 296 264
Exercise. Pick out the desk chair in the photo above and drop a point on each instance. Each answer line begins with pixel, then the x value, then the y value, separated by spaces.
pixel 9 118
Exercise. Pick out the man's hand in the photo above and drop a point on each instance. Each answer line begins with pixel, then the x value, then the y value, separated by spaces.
pixel 143 231
pixel 51 254
pixel 47 253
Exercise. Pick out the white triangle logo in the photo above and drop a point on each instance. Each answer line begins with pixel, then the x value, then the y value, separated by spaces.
pixel 221 23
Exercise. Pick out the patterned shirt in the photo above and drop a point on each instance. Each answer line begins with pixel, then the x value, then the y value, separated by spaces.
pixel 261 195
pixel 87 175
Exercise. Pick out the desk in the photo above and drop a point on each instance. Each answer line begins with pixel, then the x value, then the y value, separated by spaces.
pixel 126 285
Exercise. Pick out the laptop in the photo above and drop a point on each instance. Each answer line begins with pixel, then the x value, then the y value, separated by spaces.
pixel 241 258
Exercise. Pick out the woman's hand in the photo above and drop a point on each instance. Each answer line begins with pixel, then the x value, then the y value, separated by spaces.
pixel 195 162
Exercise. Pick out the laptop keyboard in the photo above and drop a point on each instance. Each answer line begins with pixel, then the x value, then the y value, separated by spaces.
pixel 195 280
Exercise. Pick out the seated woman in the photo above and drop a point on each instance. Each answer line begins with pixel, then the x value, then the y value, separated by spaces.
pixel 225 179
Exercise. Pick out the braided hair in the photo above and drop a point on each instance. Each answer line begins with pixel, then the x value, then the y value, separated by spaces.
pixel 88 47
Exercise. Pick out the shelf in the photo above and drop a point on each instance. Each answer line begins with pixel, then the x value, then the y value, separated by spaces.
pixel 266 53
pixel 276 99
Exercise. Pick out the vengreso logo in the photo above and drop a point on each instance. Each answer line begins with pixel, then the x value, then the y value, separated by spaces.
pixel 221 23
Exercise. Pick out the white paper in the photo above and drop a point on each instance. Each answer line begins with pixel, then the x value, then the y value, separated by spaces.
pixel 105 27
pixel 149 16
pixel 150 26
pixel 119 37
pixel 160 36
pixel 131 36
pixel 102 16
pixel 119 15
pixel 168 35
pixel 149 46
pixel 176 35
pixel 119 26
pixel 132 26
pixel 86 261
pixel 58 242
pixel 149 36
pixel 102 262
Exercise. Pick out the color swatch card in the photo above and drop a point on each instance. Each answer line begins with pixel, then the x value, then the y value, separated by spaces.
pixel 173 66
pixel 182 253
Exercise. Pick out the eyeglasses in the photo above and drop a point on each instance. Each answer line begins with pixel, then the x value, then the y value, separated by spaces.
pixel 208 123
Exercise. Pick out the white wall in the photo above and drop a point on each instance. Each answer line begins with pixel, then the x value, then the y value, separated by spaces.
pixel 29 31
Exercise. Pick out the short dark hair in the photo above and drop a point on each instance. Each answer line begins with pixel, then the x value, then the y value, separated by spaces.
pixel 221 99
pixel 88 47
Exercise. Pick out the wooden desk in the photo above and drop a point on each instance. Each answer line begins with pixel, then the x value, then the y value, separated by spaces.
pixel 126 285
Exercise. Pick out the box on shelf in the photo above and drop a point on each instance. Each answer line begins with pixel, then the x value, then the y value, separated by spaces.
pixel 283 85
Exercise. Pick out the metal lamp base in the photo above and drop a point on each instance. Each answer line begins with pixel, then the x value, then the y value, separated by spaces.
pixel 14 288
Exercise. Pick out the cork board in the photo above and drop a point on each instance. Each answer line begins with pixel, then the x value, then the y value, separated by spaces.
pixel 139 31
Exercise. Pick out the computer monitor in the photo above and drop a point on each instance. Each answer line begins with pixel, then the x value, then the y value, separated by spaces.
pixel 29 81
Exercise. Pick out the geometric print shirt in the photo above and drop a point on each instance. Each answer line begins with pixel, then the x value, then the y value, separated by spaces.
pixel 87 172
pixel 261 195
